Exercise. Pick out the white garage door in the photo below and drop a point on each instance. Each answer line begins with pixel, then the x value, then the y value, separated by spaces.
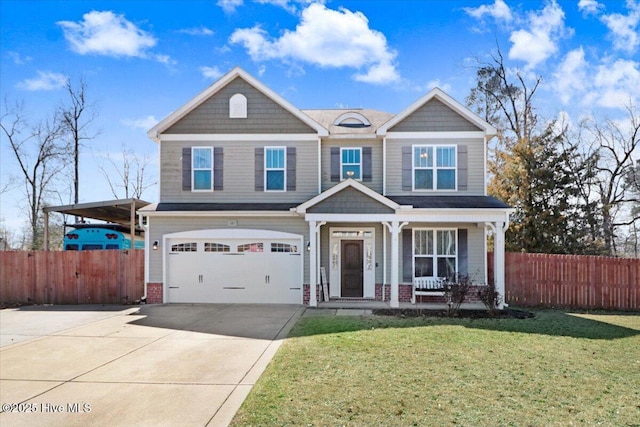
pixel 234 266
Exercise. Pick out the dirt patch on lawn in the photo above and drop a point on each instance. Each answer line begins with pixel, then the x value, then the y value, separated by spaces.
pixel 467 314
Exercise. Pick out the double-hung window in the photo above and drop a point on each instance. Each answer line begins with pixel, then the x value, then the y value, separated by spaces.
pixel 275 168
pixel 351 163
pixel 202 168
pixel 435 253
pixel 434 167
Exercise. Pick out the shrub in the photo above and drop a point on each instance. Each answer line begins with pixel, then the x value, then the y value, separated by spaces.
pixel 455 291
pixel 490 297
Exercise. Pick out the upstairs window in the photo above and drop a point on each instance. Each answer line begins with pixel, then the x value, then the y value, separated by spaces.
pixel 202 168
pixel 434 167
pixel 351 163
pixel 275 168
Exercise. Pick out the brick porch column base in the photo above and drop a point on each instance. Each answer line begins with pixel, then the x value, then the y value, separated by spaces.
pixel 154 293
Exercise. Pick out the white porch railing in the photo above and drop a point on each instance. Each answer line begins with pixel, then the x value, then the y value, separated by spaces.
pixel 426 286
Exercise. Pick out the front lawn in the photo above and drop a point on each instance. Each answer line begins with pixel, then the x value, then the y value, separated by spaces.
pixel 554 369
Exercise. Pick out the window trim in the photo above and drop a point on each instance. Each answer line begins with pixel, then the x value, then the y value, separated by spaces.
pixel 283 169
pixel 435 168
pixel 194 169
pixel 342 164
pixel 434 254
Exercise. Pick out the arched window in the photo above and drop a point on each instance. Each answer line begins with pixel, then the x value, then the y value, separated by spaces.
pixel 352 120
pixel 238 106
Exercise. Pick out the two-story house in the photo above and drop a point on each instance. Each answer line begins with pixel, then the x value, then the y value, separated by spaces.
pixel 261 202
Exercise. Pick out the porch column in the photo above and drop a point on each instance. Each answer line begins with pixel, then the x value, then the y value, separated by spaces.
pixel 313 266
pixel 394 228
pixel 498 260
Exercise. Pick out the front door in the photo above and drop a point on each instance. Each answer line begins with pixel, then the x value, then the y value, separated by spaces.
pixel 351 268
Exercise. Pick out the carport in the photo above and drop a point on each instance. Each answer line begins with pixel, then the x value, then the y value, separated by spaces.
pixel 122 211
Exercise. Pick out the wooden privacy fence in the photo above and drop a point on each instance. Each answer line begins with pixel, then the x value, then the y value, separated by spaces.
pixel 71 277
pixel 571 281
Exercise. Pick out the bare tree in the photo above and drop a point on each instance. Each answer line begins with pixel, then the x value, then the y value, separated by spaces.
pixel 41 157
pixel 616 146
pixel 130 175
pixel 77 117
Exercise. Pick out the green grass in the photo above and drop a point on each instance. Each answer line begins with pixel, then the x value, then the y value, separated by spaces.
pixel 554 369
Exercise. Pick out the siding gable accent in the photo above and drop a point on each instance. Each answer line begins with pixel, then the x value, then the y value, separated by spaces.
pixel 186 169
pixel 463 252
pixel 335 164
pixel 291 168
pixel 208 112
pixel 351 201
pixel 407 168
pixel 463 167
pixel 218 165
pixel 259 169
pixel 407 255
pixel 366 164
pixel 434 116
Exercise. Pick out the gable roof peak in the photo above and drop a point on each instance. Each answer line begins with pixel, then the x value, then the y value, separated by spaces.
pixel 442 96
pixel 171 119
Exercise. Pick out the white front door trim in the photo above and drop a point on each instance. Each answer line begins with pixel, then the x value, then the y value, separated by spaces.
pixel 367 236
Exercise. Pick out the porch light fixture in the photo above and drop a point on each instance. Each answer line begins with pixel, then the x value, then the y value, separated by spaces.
pixel 350 173
pixel 155 245
pixel 308 246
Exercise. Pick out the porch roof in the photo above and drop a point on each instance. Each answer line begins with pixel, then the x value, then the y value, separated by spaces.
pixel 450 202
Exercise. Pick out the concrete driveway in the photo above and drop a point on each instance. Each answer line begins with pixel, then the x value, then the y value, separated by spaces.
pixel 178 364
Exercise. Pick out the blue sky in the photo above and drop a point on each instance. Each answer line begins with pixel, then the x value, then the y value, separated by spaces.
pixel 143 59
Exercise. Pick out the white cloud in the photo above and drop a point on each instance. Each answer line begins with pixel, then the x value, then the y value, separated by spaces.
pixel 589 7
pixel 144 123
pixel 18 59
pixel 105 33
pixel 211 72
pixel 197 31
pixel 46 80
pixel 617 83
pixel 570 78
pixel 288 5
pixel 624 29
pixel 230 6
pixel 499 11
pixel 165 59
pixel 539 42
pixel 326 38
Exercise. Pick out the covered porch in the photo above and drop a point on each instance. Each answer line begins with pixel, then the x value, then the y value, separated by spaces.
pixel 367 250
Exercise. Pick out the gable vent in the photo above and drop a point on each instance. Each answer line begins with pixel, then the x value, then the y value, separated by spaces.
pixel 238 106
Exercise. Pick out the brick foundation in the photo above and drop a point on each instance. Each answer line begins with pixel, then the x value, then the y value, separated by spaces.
pixel 404 294
pixel 154 293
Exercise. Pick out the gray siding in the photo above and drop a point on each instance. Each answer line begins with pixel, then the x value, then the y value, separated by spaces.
pixel 161 226
pixel 475 166
pixel 263 115
pixel 238 172
pixel 376 161
pixel 434 116
pixel 350 200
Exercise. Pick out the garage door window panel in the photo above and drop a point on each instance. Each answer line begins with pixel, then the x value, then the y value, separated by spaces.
pixel 251 247
pixel 284 248
pixel 216 247
pixel 185 247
